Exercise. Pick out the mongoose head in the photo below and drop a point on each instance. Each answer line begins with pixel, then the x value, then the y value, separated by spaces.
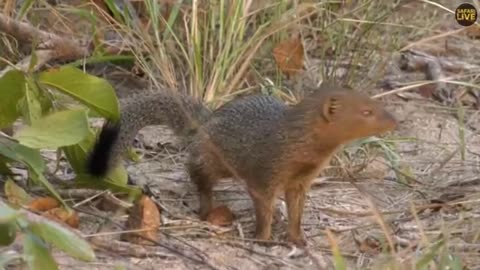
pixel 352 115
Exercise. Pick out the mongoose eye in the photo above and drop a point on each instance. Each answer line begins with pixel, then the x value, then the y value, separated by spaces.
pixel 367 112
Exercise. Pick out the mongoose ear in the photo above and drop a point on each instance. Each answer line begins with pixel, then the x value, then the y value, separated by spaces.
pixel 331 108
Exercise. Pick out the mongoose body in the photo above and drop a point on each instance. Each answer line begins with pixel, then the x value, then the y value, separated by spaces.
pixel 273 148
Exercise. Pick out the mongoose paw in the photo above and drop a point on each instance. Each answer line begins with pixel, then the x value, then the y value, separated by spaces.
pixel 298 241
pixel 203 214
pixel 262 236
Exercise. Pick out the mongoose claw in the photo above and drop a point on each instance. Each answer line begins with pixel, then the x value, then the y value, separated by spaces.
pixel 300 242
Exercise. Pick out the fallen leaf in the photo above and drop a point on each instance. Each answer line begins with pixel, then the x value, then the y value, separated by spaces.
pixel 62 215
pixel 370 245
pixel 144 217
pixel 289 56
pixel 473 31
pixel 43 204
pixel 221 216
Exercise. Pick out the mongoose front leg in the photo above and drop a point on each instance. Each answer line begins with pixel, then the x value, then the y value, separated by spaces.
pixel 205 191
pixel 263 203
pixel 295 197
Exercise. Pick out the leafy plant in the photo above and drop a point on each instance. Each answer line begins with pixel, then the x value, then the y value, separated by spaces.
pixel 53 125
pixel 38 234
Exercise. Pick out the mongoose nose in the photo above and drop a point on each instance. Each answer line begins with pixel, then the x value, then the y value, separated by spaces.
pixel 390 120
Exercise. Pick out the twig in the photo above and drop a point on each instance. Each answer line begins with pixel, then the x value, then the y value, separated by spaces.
pixel 200 260
pixel 129 249
pixel 50 46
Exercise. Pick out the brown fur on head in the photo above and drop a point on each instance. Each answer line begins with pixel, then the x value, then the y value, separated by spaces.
pixel 347 113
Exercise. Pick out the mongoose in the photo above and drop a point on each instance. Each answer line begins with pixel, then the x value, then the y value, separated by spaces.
pixel 272 147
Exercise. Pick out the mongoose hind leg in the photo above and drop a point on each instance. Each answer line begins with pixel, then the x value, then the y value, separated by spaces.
pixel 295 198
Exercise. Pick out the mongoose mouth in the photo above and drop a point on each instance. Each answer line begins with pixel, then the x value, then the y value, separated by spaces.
pixel 390 122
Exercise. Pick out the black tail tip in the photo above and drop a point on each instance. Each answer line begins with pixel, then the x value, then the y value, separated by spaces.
pixel 98 160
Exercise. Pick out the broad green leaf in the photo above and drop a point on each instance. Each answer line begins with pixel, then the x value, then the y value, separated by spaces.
pixel 28 156
pixel 37 254
pixel 133 155
pixel 4 169
pixel 118 175
pixel 12 89
pixel 77 155
pixel 8 233
pixel 55 130
pixel 94 92
pixel 86 181
pixel 63 238
pixel 16 195
pixel 30 105
pixel 32 159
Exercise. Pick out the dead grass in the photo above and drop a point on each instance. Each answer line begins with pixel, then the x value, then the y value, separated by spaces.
pixel 378 218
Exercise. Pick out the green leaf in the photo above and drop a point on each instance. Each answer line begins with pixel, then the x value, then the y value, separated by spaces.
pixel 16 195
pixel 55 130
pixel 26 6
pixel 63 238
pixel 86 181
pixel 32 159
pixel 94 92
pixel 37 254
pixel 454 262
pixel 118 175
pixel 28 156
pixel 423 262
pixel 4 169
pixel 77 156
pixel 339 261
pixel 8 233
pixel 12 89
pixel 30 103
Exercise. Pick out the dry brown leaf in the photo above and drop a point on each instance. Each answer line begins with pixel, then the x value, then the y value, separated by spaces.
pixel 427 90
pixel 289 56
pixel 43 204
pixel 473 31
pixel 221 216
pixel 369 245
pixel 62 215
pixel 145 217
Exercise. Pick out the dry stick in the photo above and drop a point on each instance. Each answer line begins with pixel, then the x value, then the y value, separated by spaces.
pixel 122 247
pixel 381 221
pixel 201 259
pixel 432 38
pixel 51 46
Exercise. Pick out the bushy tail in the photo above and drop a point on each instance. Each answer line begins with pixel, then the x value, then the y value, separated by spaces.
pixel 183 114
